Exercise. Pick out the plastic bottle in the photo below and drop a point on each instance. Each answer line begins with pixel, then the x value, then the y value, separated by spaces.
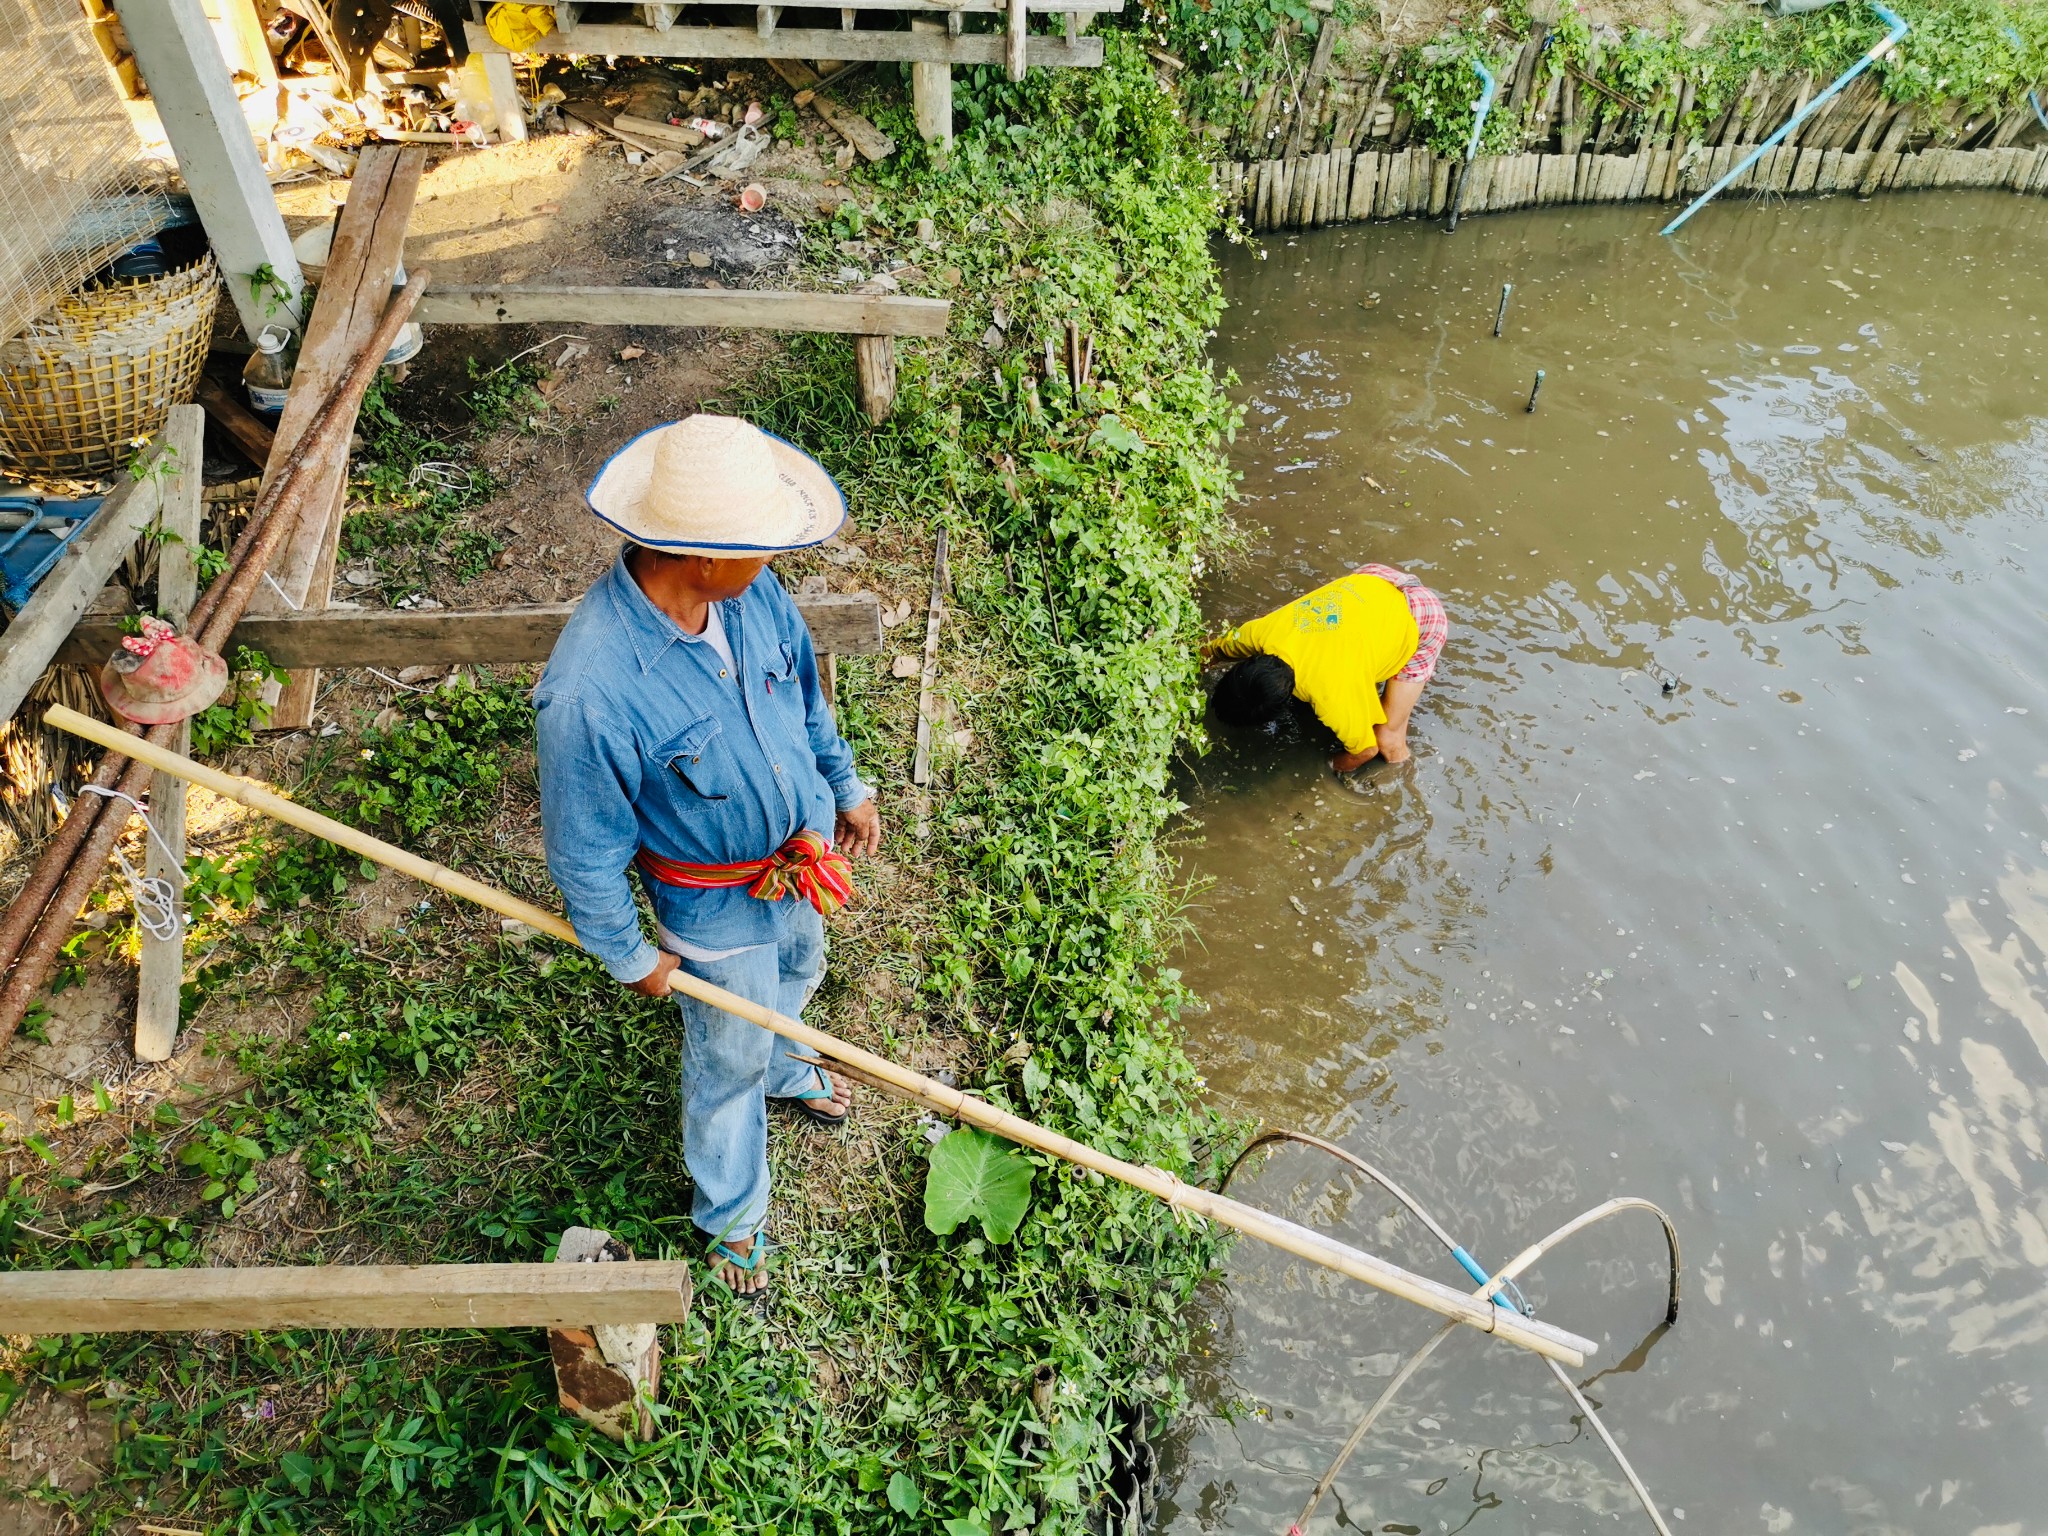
pixel 268 373
pixel 406 346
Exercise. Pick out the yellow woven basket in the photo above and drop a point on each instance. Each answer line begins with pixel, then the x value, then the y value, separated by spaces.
pixel 81 385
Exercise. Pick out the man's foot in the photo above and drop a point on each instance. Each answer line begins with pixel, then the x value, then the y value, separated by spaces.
pixel 829 1101
pixel 741 1265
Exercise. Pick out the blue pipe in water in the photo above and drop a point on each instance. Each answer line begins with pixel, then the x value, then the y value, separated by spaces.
pixel 1480 109
pixel 2033 97
pixel 1891 40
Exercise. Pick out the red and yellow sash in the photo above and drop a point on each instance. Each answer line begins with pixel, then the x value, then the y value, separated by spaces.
pixel 807 866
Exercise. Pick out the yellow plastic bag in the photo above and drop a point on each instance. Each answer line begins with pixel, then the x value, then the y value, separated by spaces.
pixel 519 27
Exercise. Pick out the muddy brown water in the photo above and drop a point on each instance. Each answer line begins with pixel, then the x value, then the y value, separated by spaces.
pixel 1767 948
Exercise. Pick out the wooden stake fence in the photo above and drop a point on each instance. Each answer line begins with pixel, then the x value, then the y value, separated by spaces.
pixel 1303 1242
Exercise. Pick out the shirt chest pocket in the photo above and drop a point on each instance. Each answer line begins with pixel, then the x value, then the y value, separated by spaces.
pixel 778 675
pixel 699 761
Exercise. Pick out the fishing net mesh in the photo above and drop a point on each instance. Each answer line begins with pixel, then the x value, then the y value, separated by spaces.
pixel 74 188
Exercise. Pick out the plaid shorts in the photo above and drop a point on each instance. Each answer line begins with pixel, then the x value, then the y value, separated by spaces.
pixel 1431 623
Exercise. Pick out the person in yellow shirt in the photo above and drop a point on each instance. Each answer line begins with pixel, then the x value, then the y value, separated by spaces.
pixel 1358 651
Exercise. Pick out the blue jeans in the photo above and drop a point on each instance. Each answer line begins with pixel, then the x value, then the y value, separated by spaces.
pixel 731 1068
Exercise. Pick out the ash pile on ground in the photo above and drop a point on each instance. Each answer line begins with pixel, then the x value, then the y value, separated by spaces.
pixel 685 243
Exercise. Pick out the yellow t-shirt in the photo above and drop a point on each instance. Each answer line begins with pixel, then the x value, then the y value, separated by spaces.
pixel 1343 640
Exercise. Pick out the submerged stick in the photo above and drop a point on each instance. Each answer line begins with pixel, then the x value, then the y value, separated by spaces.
pixel 1303 1242
pixel 1500 315
pixel 1534 390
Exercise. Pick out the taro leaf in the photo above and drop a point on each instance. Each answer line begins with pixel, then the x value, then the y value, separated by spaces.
pixel 974 1174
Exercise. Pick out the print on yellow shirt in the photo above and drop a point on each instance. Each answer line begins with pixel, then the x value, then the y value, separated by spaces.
pixel 1344 640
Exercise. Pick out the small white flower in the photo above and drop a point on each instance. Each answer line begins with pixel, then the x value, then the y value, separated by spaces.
pixel 342 1036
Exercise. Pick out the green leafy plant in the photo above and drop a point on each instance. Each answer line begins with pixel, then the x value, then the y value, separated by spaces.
pixel 975 1175
pixel 234 719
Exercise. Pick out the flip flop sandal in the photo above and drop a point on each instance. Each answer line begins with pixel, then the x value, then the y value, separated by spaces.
pixel 746 1264
pixel 802 1102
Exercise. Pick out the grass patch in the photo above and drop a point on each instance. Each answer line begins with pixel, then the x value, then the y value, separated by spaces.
pixel 454 1092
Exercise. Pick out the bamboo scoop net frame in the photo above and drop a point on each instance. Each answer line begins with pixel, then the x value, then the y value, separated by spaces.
pixel 1500 1282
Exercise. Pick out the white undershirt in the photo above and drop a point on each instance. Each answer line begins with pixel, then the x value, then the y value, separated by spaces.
pixel 713 636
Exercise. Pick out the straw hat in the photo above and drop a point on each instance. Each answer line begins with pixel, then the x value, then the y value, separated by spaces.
pixel 719 486
pixel 158 677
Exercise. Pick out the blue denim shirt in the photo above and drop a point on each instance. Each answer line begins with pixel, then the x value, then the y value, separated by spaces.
pixel 646 743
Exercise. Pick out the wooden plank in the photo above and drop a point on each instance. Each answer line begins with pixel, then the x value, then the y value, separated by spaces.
pixel 160 967
pixel 666 135
pixel 694 42
pixel 851 314
pixel 249 432
pixel 845 623
pixel 932 8
pixel 37 634
pixel 45 1302
pixel 354 290
pixel 863 135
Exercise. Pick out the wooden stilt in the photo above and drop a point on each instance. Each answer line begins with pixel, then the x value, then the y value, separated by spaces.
pixel 875 362
pixel 161 961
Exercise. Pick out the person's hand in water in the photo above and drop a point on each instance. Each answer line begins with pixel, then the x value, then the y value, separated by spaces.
pixel 1351 762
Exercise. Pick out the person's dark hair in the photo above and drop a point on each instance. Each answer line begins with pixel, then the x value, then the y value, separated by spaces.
pixel 1255 691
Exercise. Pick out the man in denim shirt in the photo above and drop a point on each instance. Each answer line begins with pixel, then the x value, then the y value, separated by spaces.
pixel 682 730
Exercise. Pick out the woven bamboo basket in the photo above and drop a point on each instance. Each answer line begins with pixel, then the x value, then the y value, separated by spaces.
pixel 80 386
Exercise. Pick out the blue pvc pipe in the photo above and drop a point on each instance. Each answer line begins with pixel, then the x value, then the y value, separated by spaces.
pixel 1878 50
pixel 2033 97
pixel 1480 109
pixel 1471 1267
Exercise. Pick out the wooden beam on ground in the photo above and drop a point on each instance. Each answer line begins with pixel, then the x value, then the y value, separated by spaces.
pixel 45 1302
pixel 917 47
pixel 841 623
pixel 249 432
pixel 354 289
pixel 36 636
pixel 863 135
pixel 848 314
pixel 160 968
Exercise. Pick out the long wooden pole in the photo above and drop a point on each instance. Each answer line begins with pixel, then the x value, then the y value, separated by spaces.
pixel 1303 1242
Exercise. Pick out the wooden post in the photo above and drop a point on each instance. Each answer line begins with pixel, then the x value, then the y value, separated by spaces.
pixel 161 974
pixel 1017 29
pixel 874 359
pixel 607 1374
pixel 921 761
pixel 504 84
pixel 188 81
pixel 931 94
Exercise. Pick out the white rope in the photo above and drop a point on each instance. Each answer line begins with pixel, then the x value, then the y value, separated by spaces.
pixel 282 595
pixel 154 897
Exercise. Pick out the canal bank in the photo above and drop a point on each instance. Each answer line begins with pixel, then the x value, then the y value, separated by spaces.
pixel 1717 877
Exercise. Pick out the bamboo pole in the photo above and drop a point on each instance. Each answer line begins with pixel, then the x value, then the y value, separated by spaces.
pixel 1303 1242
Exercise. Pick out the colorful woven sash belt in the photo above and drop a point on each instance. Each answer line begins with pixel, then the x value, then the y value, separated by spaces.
pixel 806 866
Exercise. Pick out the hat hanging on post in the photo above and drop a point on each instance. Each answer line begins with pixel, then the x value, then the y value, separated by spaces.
pixel 718 486
pixel 158 677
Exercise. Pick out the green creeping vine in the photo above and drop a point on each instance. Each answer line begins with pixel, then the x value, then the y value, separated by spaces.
pixel 459 1093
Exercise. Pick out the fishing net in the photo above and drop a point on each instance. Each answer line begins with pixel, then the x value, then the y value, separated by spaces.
pixel 74 188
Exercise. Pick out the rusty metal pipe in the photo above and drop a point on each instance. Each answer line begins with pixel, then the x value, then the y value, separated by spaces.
pixel 71 865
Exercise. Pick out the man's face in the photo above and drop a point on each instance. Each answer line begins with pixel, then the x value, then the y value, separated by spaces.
pixel 722 579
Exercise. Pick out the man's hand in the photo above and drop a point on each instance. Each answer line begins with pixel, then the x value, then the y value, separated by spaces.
pixel 655 982
pixel 858 832
pixel 1351 762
